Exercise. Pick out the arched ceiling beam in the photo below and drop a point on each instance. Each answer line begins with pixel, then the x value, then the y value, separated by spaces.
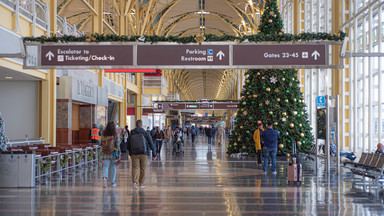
pixel 62 6
pixel 221 17
pixel 164 13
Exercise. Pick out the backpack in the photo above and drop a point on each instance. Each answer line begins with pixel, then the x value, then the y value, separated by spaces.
pixel 138 144
pixel 193 131
pixel 153 132
pixel 108 145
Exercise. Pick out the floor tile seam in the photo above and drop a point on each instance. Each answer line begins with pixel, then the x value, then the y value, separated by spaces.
pixel 206 190
pixel 124 203
pixel 162 211
pixel 179 197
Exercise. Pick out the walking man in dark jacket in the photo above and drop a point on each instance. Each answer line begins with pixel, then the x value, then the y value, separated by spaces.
pixel 209 133
pixel 139 161
pixel 193 133
pixel 269 138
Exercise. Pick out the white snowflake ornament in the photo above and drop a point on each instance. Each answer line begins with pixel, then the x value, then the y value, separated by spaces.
pixel 284 119
pixel 273 80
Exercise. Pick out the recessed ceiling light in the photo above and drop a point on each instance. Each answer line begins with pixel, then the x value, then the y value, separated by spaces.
pixel 8 77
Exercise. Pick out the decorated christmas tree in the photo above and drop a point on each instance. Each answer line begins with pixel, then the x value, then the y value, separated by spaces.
pixel 271 95
pixel 3 138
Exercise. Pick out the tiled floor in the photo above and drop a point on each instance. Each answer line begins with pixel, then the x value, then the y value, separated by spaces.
pixel 202 182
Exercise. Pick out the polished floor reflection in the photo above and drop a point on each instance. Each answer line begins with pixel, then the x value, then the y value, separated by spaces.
pixel 202 182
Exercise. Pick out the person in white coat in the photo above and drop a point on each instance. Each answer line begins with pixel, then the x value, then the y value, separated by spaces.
pixel 220 135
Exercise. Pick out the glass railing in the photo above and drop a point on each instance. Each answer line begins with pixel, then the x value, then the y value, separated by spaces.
pixel 38 9
pixel 66 28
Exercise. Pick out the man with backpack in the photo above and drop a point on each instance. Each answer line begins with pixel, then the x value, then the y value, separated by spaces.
pixel 193 133
pixel 138 150
pixel 209 133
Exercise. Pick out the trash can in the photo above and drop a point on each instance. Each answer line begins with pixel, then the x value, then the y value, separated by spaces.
pixel 17 169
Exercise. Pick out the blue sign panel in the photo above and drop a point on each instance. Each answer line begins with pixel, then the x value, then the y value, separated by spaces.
pixel 321 102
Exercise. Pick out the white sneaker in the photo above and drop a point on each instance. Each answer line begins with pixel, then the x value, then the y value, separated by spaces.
pixel 274 173
pixel 135 186
pixel 142 186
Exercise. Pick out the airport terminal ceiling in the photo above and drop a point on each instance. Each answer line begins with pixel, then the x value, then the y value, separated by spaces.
pixel 177 18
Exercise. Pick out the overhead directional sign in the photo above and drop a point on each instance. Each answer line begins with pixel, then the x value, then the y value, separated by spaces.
pixel 86 55
pixel 210 55
pixel 151 110
pixel 280 54
pixel 152 55
pixel 171 106
pixel 226 106
pixel 195 106
pixel 172 117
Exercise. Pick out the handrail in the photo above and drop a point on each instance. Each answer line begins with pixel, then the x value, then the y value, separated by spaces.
pixel 25 142
pixel 71 159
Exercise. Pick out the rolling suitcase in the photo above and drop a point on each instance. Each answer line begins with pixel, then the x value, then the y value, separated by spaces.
pixel 295 169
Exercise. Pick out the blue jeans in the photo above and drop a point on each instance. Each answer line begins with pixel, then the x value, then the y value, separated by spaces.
pixel 209 140
pixel 270 152
pixel 109 164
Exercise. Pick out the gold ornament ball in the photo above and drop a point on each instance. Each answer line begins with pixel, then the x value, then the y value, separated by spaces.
pixel 275 123
pixel 247 81
pixel 283 79
pixel 302 113
pixel 270 113
pixel 270 21
pixel 284 113
pixel 239 139
pixel 268 89
pixel 294 113
pixel 300 125
pixel 280 33
pixel 235 144
pixel 278 99
pixel 242 109
pixel 255 96
pixel 288 155
pixel 244 147
pixel 258 73
pixel 302 134
pixel 241 127
pixel 293 78
pixel 291 125
pixel 294 99
pixel 286 100
pixel 298 143
pixel 281 146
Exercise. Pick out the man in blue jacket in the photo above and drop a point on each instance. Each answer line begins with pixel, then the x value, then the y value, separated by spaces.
pixel 269 138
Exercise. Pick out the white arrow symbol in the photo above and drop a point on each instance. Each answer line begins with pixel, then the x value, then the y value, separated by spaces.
pixel 50 55
pixel 220 54
pixel 315 55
